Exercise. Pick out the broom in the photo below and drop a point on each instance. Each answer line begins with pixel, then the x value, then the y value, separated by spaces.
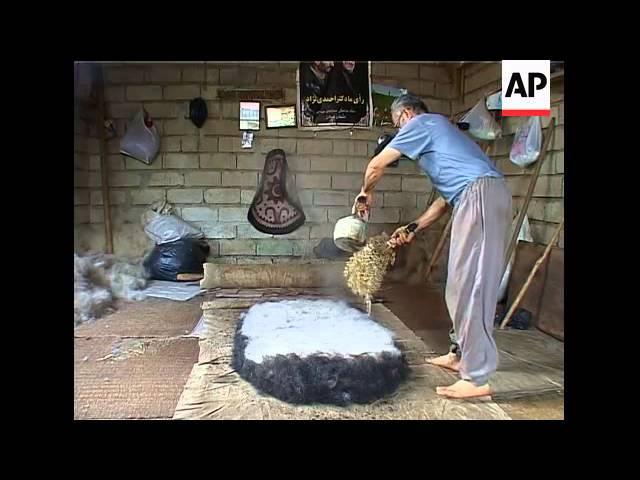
pixel 365 270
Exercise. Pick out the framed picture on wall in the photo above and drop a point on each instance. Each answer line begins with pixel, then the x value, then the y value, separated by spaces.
pixel 334 95
pixel 280 116
pixel 249 115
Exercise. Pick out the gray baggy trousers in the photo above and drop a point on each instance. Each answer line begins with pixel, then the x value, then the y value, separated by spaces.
pixel 481 220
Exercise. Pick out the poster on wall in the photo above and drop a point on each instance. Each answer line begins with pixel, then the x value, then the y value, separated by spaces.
pixel 383 96
pixel 334 95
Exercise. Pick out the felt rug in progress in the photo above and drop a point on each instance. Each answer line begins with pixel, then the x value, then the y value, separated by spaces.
pixel 317 351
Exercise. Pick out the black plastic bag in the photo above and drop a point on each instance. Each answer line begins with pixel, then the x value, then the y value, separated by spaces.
pixel 167 261
pixel 521 319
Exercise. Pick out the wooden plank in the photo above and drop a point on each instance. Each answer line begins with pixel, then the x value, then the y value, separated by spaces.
pixel 230 303
pixel 551 315
pixel 264 276
pixel 189 277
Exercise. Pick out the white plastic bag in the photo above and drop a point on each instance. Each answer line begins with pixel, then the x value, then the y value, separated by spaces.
pixel 162 226
pixel 159 207
pixel 169 228
pixel 525 236
pixel 528 142
pixel 482 125
pixel 142 140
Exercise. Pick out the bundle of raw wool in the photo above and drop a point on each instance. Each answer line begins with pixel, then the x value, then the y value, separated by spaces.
pixel 100 279
pixel 366 269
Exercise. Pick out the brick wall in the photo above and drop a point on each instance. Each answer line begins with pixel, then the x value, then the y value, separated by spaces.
pixel 211 180
pixel 547 205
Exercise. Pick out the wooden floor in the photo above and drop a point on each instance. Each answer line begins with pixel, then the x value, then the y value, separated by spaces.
pixel 135 363
pixel 423 309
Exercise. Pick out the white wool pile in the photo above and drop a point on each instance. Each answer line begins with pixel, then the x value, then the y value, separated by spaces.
pixel 99 279
pixel 308 327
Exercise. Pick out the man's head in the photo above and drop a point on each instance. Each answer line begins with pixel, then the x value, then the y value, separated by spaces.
pixel 323 67
pixel 405 107
pixel 349 65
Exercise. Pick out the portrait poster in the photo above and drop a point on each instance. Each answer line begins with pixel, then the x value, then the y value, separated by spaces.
pixel 334 95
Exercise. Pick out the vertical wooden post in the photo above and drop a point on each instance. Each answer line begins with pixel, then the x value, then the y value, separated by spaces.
pixel 103 163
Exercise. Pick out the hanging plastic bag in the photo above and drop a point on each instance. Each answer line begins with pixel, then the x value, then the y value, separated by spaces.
pixel 142 140
pixel 525 236
pixel 481 123
pixel 528 142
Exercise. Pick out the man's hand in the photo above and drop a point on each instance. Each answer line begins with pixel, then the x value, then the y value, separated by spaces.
pixel 401 236
pixel 362 203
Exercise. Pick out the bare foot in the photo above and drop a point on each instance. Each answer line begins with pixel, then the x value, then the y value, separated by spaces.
pixel 464 389
pixel 450 361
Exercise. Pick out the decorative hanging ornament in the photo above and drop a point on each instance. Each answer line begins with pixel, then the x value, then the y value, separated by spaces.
pixel 198 112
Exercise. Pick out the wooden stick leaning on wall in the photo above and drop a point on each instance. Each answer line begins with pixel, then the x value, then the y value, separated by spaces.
pixel 527 199
pixel 439 247
pixel 534 270
pixel 100 128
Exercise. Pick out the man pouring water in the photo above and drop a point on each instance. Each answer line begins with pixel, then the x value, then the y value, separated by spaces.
pixel 475 189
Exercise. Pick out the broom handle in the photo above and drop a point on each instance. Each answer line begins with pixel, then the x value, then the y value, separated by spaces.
pixel 534 270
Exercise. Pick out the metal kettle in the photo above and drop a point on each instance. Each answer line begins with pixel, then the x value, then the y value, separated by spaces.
pixel 350 233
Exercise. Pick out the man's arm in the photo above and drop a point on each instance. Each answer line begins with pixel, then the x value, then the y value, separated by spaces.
pixel 376 167
pixel 433 213
pixel 401 236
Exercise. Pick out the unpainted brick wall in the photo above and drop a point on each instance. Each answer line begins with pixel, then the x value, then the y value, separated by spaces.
pixel 547 205
pixel 211 180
